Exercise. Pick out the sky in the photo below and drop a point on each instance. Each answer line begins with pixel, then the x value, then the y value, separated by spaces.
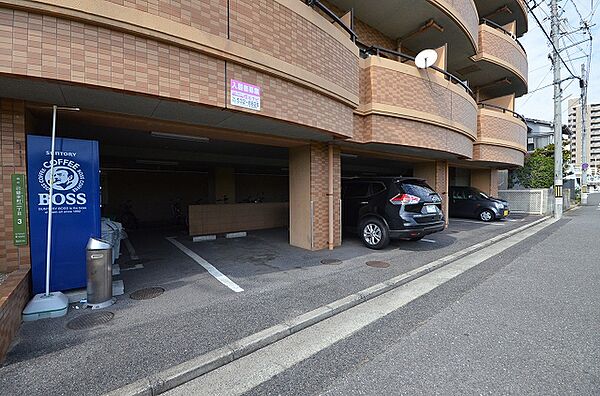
pixel 539 103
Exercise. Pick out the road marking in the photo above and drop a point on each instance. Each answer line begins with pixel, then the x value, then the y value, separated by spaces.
pixel 248 372
pixel 218 275
pixel 136 267
pixel 428 240
pixel 131 250
pixel 477 222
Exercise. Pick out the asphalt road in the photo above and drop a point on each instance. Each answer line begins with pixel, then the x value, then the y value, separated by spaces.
pixel 522 322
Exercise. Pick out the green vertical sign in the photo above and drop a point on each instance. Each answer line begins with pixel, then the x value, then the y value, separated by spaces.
pixel 19 210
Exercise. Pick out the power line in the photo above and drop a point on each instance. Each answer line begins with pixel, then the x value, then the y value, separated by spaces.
pixel 548 37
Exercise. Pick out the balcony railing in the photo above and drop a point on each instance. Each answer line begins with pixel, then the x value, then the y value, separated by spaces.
pixel 376 50
pixel 501 109
pixel 334 18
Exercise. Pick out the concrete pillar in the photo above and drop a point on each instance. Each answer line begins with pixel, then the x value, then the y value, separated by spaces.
pixel 486 180
pixel 436 175
pixel 13 159
pixel 309 202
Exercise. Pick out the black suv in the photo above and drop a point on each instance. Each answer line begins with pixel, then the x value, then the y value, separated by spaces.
pixel 472 202
pixel 380 208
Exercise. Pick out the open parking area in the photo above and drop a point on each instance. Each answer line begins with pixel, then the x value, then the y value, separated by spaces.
pixel 197 313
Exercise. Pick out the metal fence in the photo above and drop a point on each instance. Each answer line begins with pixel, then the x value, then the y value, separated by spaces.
pixel 534 201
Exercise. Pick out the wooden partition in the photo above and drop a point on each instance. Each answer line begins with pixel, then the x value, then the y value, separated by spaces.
pixel 219 219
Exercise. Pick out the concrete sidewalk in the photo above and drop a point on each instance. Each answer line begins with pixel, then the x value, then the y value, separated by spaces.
pixel 196 314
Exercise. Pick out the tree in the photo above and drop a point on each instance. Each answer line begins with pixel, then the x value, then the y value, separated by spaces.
pixel 538 169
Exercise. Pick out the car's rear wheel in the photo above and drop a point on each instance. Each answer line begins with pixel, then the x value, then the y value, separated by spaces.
pixel 374 233
pixel 486 215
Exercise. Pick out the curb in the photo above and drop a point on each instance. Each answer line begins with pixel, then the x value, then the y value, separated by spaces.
pixel 191 369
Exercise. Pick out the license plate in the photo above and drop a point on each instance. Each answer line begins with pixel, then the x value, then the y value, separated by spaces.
pixel 430 209
pixel 506 213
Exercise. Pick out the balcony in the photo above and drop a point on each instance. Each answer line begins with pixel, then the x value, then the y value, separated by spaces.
pixel 500 66
pixel 501 137
pixel 503 12
pixel 414 108
pixel 388 19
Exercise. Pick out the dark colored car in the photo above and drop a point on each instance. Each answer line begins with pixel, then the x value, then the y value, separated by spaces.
pixel 383 208
pixel 474 203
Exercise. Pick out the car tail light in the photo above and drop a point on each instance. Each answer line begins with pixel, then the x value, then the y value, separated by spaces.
pixel 405 199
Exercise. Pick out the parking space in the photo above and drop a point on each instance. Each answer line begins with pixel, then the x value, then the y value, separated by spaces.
pixel 197 313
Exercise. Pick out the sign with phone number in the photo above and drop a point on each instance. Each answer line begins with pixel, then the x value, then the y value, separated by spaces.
pixel 245 95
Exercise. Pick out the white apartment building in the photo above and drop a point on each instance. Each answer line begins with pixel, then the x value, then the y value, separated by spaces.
pixel 592 137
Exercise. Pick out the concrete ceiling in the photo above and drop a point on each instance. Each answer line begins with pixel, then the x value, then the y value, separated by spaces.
pixel 493 79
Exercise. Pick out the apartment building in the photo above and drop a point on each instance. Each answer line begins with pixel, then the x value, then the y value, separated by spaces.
pixel 592 141
pixel 216 104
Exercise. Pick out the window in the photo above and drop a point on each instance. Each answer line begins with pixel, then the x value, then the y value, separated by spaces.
pixel 355 190
pixel 376 188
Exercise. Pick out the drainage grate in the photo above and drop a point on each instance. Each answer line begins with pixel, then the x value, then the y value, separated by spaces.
pixel 378 264
pixel 331 261
pixel 90 320
pixel 147 293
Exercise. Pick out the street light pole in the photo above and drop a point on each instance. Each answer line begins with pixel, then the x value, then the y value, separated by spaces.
pixel 558 162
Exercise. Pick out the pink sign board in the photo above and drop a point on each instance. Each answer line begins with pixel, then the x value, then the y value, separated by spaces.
pixel 245 95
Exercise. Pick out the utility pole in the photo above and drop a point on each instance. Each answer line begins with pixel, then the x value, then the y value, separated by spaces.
pixel 558 163
pixel 584 164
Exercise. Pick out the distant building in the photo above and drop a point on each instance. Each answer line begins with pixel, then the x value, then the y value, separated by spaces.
pixel 540 133
pixel 592 137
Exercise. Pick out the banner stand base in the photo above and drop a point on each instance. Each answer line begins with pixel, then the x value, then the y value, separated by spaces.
pixel 44 306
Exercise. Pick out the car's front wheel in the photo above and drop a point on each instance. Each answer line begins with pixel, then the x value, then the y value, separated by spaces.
pixel 486 215
pixel 374 233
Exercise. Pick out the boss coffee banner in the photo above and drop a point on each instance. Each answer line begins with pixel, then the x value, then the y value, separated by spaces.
pixel 75 208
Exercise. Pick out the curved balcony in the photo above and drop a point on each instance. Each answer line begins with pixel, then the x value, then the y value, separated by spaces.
pixel 501 137
pixel 504 11
pixel 413 108
pixel 306 68
pixel 457 18
pixel 501 64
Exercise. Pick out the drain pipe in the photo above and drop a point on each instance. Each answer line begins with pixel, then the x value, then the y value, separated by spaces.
pixel 330 196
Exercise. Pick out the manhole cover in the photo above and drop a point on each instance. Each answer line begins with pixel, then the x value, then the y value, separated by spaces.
pixel 378 264
pixel 331 261
pixel 147 293
pixel 90 320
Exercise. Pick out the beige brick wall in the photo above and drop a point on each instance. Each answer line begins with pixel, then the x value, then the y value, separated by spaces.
pixel 392 87
pixel 503 47
pixel 467 13
pixel 501 155
pixel 14 295
pixel 319 175
pixel 288 101
pixel 206 15
pixel 502 127
pixel 13 160
pixel 392 130
pixel 44 46
pixel 269 27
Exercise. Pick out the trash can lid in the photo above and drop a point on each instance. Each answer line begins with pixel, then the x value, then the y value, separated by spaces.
pixel 98 244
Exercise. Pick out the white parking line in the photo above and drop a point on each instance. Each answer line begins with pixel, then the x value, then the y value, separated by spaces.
pixel 132 254
pixel 218 275
pixel 476 222
pixel 428 240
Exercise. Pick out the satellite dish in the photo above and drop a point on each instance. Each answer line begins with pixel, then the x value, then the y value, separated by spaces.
pixel 426 58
